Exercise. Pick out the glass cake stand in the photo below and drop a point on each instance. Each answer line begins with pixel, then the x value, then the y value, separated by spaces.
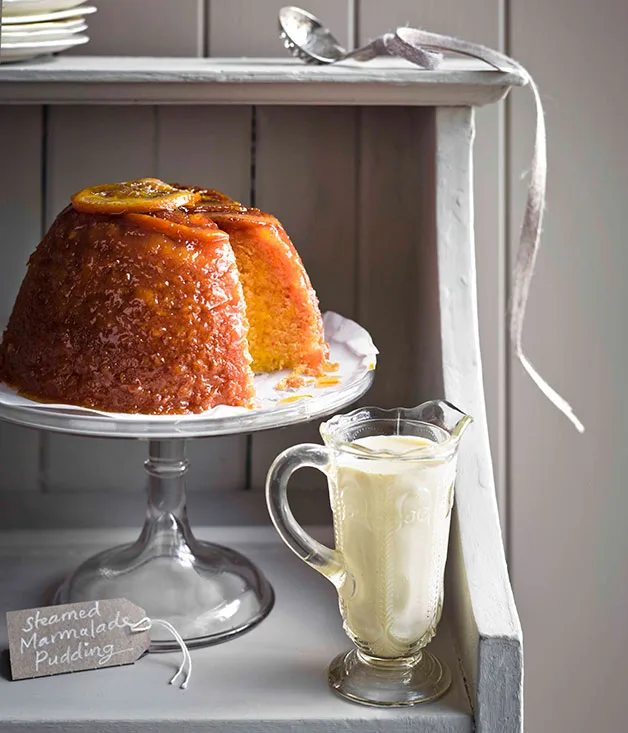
pixel 209 592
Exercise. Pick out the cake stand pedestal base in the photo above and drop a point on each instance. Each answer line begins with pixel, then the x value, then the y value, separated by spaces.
pixel 208 592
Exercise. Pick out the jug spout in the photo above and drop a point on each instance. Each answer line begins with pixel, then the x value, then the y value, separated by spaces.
pixel 438 421
pixel 444 415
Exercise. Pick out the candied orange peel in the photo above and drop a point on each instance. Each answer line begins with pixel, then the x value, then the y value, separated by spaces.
pixel 183 229
pixel 142 196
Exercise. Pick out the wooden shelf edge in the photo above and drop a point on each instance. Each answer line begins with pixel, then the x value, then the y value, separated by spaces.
pixel 144 80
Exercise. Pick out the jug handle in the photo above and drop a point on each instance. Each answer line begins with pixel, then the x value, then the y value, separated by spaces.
pixel 328 562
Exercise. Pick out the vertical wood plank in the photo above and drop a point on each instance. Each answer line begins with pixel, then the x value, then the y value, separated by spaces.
pixel 569 499
pixel 250 27
pixel 20 222
pixel 488 628
pixel 390 224
pixel 88 145
pixel 206 146
pixel 146 28
pixel 20 197
pixel 96 144
pixel 211 147
pixel 309 184
pixel 478 21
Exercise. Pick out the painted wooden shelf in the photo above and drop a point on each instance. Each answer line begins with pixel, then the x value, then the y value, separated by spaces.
pixel 272 678
pixel 121 80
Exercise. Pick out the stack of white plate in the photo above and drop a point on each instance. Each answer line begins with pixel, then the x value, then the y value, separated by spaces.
pixel 34 27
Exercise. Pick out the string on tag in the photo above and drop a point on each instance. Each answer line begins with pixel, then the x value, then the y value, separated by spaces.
pixel 423 49
pixel 185 668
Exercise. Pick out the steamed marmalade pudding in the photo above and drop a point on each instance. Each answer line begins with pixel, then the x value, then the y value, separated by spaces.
pixel 149 298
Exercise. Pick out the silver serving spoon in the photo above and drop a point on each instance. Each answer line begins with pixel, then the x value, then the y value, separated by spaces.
pixel 306 37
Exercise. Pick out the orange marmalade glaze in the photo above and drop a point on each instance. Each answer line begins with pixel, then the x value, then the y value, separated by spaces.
pixel 327 381
pixel 131 313
pixel 161 310
pixel 285 324
pixel 294 398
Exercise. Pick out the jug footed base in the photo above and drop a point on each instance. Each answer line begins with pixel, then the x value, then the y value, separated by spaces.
pixel 391 683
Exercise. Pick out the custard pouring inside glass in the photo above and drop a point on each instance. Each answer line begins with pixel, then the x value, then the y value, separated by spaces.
pixel 391 517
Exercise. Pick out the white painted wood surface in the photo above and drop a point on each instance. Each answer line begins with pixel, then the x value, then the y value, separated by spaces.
pixel 490 633
pixel 271 679
pixel 124 80
pixel 570 504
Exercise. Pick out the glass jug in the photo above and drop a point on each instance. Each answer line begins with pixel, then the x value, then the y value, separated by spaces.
pixel 391 477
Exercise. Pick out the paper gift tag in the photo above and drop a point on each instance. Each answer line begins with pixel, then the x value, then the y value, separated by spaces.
pixel 75 637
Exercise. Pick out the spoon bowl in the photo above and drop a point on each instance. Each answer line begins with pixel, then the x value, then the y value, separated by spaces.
pixel 307 38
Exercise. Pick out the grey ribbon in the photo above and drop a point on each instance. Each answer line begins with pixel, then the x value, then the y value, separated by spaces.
pixel 423 48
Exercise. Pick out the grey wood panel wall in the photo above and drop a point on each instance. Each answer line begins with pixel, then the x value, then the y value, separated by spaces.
pixel 390 186
pixel 146 28
pixel 20 213
pixel 569 501
pixel 249 27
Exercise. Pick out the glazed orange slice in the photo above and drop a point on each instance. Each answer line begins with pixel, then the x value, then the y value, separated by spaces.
pixel 182 231
pixel 144 195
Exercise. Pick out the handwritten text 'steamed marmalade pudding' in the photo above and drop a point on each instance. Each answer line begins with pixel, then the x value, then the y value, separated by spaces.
pixel 150 298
